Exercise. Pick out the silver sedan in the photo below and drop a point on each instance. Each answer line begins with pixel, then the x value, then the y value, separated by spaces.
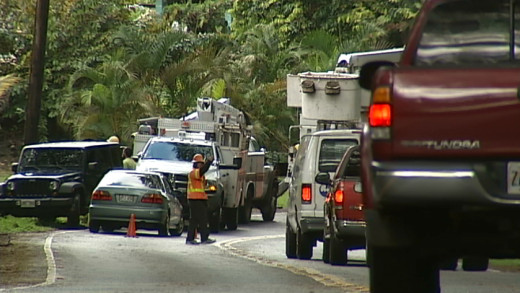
pixel 147 195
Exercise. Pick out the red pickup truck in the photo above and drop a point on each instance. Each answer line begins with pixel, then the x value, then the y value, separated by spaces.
pixel 343 209
pixel 441 151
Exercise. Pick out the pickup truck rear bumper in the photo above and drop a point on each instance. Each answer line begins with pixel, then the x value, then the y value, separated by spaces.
pixel 439 183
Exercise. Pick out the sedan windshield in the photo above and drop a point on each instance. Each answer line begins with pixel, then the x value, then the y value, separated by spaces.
pixel 131 180
pixel 174 151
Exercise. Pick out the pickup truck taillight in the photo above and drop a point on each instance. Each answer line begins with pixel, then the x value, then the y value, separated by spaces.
pixel 338 197
pixel 306 194
pixel 380 113
pixel 101 195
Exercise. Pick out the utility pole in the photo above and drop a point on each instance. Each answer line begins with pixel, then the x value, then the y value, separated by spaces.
pixel 33 108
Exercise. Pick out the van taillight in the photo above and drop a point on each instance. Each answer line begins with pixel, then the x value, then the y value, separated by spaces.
pixel 152 198
pixel 101 195
pixel 306 194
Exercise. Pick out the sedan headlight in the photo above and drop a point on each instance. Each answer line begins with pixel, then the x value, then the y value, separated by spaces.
pixel 10 185
pixel 53 185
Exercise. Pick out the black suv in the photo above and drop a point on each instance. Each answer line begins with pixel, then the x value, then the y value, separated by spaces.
pixel 56 179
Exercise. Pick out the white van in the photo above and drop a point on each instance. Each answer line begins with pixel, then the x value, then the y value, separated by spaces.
pixel 320 151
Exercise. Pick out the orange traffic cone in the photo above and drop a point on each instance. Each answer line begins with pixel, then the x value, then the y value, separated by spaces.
pixel 131 227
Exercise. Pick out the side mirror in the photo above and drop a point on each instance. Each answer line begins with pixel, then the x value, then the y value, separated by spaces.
pixel 367 72
pixel 237 161
pixel 357 187
pixel 14 167
pixel 322 178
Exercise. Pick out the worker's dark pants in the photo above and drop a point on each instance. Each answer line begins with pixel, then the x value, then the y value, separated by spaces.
pixel 198 219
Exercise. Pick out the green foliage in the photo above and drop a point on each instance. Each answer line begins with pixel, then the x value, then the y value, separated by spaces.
pixel 10 224
pixel 108 64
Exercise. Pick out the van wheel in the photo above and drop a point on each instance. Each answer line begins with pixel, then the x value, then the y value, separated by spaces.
pixel 290 241
pixel 303 245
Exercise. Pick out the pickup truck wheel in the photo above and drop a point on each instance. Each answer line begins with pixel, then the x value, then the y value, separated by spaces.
pixel 475 264
pixel 449 264
pixel 400 270
pixel 74 213
pixel 244 216
pixel 290 241
pixel 338 252
pixel 230 216
pixel 303 246
pixel 269 209
pixel 326 250
pixel 214 221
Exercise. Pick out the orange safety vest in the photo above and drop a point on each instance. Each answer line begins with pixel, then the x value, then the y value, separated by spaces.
pixel 196 184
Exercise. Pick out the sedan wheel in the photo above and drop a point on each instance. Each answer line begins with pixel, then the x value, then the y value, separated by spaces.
pixel 163 228
pixel 180 228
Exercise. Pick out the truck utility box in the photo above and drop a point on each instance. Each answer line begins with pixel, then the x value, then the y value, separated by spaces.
pixel 326 95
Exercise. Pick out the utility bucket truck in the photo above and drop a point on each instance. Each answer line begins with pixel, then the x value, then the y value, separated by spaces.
pixel 238 180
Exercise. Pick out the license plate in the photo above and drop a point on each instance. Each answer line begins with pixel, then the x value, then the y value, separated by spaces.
pixel 27 203
pixel 513 177
pixel 125 198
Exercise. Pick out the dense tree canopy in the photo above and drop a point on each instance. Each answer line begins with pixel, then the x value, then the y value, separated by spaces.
pixel 109 63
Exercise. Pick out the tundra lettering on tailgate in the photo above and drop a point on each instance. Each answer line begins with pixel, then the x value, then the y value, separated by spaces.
pixel 443 144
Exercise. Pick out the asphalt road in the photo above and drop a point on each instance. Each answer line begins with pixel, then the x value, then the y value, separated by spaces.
pixel 251 259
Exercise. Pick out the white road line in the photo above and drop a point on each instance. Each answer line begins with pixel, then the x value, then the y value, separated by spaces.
pixel 325 279
pixel 51 265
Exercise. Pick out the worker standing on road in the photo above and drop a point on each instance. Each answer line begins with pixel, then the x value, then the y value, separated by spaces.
pixel 198 201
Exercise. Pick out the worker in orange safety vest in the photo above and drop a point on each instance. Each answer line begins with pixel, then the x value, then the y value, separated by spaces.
pixel 198 201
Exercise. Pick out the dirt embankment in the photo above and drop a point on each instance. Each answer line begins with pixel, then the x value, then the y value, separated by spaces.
pixel 22 259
